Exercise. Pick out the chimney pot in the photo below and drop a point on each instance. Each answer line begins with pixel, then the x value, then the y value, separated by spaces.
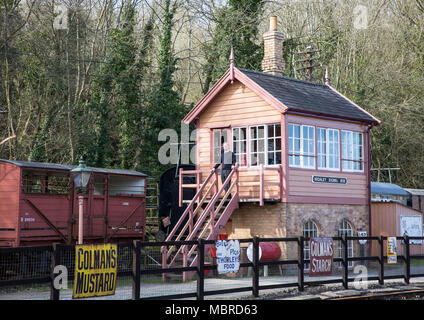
pixel 273 23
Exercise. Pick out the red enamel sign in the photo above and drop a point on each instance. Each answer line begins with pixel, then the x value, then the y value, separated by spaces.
pixel 321 253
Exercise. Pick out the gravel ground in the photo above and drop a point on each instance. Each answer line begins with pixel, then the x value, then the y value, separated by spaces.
pixel 123 292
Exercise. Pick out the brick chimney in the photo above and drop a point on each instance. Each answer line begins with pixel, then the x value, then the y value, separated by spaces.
pixel 273 61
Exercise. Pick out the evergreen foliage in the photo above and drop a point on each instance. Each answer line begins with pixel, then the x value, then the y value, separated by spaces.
pixel 236 25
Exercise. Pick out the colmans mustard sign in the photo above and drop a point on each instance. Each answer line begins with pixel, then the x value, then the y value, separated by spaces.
pixel 95 270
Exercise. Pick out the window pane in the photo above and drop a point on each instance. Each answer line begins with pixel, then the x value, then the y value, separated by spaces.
pixel 243 146
pixel 261 145
pixel 253 133
pixel 271 129
pixel 278 144
pixel 297 146
pixel 261 158
pixel 352 151
pixel 305 132
pixel 321 145
pixel 261 132
pixel 278 130
pixel 278 157
pixel 271 145
pixel 216 140
pixel 243 135
pixel 239 145
pixel 236 134
pixel 274 144
pixel 253 146
pixel 271 158
pixel 224 136
pixel 302 143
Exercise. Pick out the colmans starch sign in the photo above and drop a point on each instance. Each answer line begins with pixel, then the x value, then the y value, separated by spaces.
pixel 321 253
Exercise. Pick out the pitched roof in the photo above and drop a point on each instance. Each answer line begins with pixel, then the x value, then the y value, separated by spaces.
pixel 415 192
pixel 66 167
pixel 309 97
pixel 288 95
pixel 387 188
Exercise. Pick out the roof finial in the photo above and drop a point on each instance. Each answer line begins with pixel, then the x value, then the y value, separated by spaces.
pixel 232 64
pixel 327 78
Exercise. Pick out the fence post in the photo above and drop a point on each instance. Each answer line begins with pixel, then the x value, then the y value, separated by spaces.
pixel 407 259
pixel 345 262
pixel 381 259
pixel 300 264
pixel 255 268
pixel 54 293
pixel 200 269
pixel 164 261
pixel 136 269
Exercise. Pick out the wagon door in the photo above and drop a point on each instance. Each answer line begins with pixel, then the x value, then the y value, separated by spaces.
pixel 44 206
pixel 98 226
pixel 126 206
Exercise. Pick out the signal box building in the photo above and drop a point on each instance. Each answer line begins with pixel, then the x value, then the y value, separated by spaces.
pixel 302 149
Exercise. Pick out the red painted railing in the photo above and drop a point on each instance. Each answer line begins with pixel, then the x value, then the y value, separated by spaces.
pixel 190 211
pixel 262 183
pixel 206 218
pixel 198 217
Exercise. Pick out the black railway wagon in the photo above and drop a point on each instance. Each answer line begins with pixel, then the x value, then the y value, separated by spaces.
pixel 168 196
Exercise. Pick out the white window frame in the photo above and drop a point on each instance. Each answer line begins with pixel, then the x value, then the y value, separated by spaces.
pixel 302 155
pixel 219 146
pixel 345 228
pixel 310 230
pixel 327 154
pixel 239 142
pixel 251 140
pixel 351 151
pixel 266 144
pixel 277 148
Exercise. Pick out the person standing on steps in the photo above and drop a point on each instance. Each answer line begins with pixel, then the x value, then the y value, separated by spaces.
pixel 227 160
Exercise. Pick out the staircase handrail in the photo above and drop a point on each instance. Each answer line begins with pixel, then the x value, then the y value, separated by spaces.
pixel 215 212
pixel 185 213
pixel 205 212
pixel 190 206
pixel 210 207
pixel 212 202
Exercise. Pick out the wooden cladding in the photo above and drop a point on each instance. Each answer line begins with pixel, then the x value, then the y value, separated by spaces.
pixel 238 106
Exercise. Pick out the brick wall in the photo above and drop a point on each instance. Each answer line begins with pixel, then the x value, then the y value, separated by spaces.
pixel 287 220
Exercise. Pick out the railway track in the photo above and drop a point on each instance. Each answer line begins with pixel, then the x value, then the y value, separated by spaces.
pixel 393 295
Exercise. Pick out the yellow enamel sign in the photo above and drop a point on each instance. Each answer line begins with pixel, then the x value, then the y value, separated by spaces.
pixel 391 250
pixel 95 270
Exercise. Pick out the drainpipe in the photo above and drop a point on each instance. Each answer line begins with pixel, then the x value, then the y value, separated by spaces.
pixel 369 176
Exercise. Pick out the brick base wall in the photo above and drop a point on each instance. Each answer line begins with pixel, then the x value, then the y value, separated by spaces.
pixel 288 219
